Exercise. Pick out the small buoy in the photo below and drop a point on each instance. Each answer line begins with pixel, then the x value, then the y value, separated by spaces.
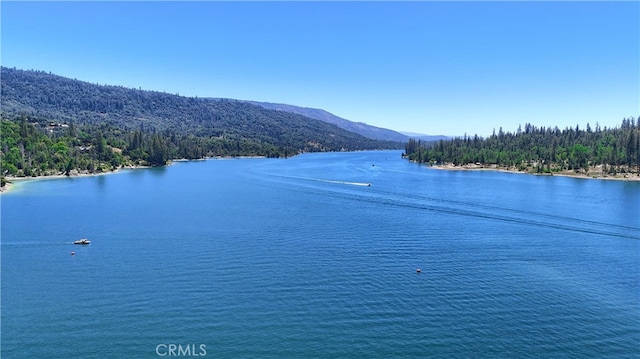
pixel 73 253
pixel 418 270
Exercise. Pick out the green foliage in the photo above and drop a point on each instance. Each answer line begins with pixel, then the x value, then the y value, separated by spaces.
pixel 38 147
pixel 54 125
pixel 542 150
pixel 188 127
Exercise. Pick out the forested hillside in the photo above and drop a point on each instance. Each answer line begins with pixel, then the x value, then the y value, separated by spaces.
pixel 59 99
pixel 541 150
pixel 52 124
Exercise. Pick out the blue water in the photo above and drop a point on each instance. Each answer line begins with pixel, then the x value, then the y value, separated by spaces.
pixel 300 258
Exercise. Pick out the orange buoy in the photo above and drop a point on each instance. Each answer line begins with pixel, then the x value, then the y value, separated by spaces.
pixel 73 253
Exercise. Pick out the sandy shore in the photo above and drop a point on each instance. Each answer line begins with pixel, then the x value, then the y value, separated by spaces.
pixel 594 172
pixel 11 181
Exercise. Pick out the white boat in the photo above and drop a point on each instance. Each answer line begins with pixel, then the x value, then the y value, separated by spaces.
pixel 82 241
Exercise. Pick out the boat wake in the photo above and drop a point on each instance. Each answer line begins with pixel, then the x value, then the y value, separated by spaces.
pixel 364 184
pixel 348 183
pixel 489 212
pixel 424 202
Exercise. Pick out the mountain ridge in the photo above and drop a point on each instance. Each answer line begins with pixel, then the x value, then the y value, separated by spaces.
pixel 361 128
pixel 424 137
pixel 59 98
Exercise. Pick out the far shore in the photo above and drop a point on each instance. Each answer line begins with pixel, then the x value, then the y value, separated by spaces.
pixel 593 173
pixel 216 158
pixel 77 174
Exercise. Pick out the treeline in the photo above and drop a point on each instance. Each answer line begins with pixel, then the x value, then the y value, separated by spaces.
pixel 39 147
pixel 190 124
pixel 540 149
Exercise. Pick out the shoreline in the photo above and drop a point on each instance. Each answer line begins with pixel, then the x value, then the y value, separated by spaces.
pixel 12 180
pixel 631 177
pixel 215 158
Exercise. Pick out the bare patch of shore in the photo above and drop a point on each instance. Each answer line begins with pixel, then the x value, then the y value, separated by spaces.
pixel 595 172
pixel 7 186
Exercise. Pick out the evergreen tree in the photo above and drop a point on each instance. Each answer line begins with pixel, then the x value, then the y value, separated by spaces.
pixel 541 149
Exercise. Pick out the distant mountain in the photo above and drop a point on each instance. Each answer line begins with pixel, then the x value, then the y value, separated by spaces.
pixel 41 94
pixel 423 137
pixel 363 129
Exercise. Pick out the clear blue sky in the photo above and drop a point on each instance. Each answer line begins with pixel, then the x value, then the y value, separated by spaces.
pixel 430 67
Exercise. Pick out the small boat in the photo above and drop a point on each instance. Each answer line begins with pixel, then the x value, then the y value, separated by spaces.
pixel 82 241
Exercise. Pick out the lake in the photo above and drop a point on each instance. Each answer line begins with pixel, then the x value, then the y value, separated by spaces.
pixel 316 256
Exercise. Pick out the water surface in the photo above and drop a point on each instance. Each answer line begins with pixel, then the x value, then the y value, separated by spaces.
pixel 300 257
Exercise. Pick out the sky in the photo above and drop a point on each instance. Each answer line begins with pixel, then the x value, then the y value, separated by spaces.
pixel 438 68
